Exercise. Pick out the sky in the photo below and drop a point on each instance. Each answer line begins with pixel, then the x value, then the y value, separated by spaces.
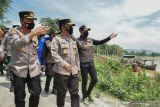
pixel 137 22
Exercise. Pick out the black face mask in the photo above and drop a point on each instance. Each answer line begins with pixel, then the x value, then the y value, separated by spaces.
pixel 30 26
pixel 70 30
pixel 85 34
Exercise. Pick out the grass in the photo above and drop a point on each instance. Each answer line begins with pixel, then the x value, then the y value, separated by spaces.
pixel 120 82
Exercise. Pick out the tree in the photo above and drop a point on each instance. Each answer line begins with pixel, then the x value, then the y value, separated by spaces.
pixel 143 53
pixel 4 22
pixel 154 54
pixel 51 23
pixel 4 6
pixel 132 52
pixel 106 49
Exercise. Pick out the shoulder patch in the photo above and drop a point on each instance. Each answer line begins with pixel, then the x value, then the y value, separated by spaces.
pixel 47 41
pixel 13 31
pixel 58 35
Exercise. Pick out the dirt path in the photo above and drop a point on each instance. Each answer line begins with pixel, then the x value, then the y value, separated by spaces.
pixel 46 100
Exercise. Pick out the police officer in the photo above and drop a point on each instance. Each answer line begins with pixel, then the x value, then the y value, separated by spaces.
pixel 65 54
pixel 23 61
pixel 85 45
pixel 41 44
pixel 49 63
pixel 7 51
pixel 3 31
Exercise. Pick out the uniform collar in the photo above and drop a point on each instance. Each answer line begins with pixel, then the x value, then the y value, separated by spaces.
pixel 67 38
pixel 83 38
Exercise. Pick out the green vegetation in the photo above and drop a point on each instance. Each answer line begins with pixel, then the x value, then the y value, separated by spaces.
pixel 119 81
pixel 142 53
pixel 106 49
pixel 51 23
pixel 117 50
pixel 4 7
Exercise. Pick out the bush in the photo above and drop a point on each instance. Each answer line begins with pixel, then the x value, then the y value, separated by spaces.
pixel 119 81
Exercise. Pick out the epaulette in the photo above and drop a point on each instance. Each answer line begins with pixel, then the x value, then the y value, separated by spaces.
pixel 13 31
pixel 47 41
pixel 59 35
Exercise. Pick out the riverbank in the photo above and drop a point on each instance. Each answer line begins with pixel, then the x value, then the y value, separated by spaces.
pixel 126 86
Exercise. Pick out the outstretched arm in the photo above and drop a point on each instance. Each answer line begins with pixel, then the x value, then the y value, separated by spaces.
pixel 99 42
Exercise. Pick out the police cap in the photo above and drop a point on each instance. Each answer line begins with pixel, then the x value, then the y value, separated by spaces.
pixel 27 14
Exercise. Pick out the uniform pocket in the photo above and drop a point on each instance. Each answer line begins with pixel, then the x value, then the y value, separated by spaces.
pixel 75 48
pixel 64 49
